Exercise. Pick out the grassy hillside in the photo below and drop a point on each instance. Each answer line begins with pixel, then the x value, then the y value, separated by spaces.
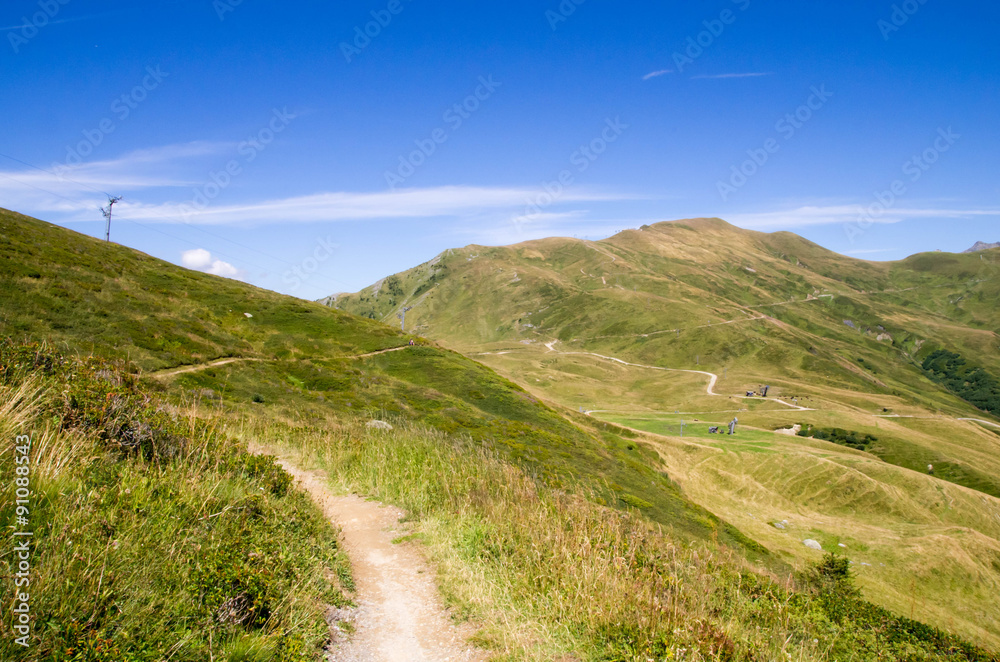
pixel 301 354
pixel 849 336
pixel 527 507
pixel 99 297
pixel 153 534
pixel 842 343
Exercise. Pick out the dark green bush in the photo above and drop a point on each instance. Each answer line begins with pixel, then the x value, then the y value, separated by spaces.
pixel 855 440
pixel 971 383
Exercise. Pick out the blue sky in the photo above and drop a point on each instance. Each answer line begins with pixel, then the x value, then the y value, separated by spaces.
pixel 285 146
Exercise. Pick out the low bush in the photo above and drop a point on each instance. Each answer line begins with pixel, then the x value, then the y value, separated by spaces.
pixel 855 440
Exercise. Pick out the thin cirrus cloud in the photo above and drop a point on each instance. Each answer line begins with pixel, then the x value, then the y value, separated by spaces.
pixel 442 201
pixel 76 191
pixel 849 214
pixel 753 74
pixel 71 185
pixel 655 74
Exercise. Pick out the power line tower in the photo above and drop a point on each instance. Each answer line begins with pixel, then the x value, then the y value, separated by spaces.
pixel 107 214
pixel 402 318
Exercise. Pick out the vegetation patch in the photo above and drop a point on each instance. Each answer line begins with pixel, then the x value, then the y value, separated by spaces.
pixel 155 535
pixel 971 383
pixel 855 440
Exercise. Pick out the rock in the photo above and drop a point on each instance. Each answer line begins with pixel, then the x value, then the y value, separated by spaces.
pixel 982 246
pixel 842 545
pixel 812 544
pixel 378 425
pixel 248 315
pixel 779 525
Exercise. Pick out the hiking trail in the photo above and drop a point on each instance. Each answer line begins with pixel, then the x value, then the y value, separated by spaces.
pixel 173 372
pixel 400 616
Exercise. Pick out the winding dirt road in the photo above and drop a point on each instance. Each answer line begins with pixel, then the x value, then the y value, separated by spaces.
pixel 713 379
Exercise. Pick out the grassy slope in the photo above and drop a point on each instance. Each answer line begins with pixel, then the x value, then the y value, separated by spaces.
pixel 115 301
pixel 691 295
pixel 627 297
pixel 103 298
pixel 154 534
pixel 311 394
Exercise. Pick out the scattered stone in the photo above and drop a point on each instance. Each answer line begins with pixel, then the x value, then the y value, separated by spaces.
pixel 850 324
pixel 248 315
pixel 378 425
pixel 237 610
pixel 812 544
pixel 842 545
pixel 209 394
pixel 779 525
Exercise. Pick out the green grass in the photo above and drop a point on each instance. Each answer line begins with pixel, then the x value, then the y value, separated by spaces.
pixel 550 573
pixel 102 298
pixel 155 536
pixel 507 484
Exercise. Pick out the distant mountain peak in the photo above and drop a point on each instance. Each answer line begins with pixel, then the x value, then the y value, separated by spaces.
pixel 982 246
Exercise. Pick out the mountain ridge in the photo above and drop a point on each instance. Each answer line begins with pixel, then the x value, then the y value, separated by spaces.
pixel 981 246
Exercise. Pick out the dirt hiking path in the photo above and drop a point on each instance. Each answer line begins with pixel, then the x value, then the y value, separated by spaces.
pixel 400 616
pixel 173 372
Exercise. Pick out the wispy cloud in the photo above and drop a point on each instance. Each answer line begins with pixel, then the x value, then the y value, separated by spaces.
pixel 443 201
pixel 75 192
pixel 64 188
pixel 844 214
pixel 22 26
pixel 73 19
pixel 754 74
pixel 654 74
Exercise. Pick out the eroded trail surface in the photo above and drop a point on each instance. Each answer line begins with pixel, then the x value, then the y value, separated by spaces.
pixel 400 615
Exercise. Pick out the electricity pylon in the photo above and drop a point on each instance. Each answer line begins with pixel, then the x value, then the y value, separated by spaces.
pixel 107 214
